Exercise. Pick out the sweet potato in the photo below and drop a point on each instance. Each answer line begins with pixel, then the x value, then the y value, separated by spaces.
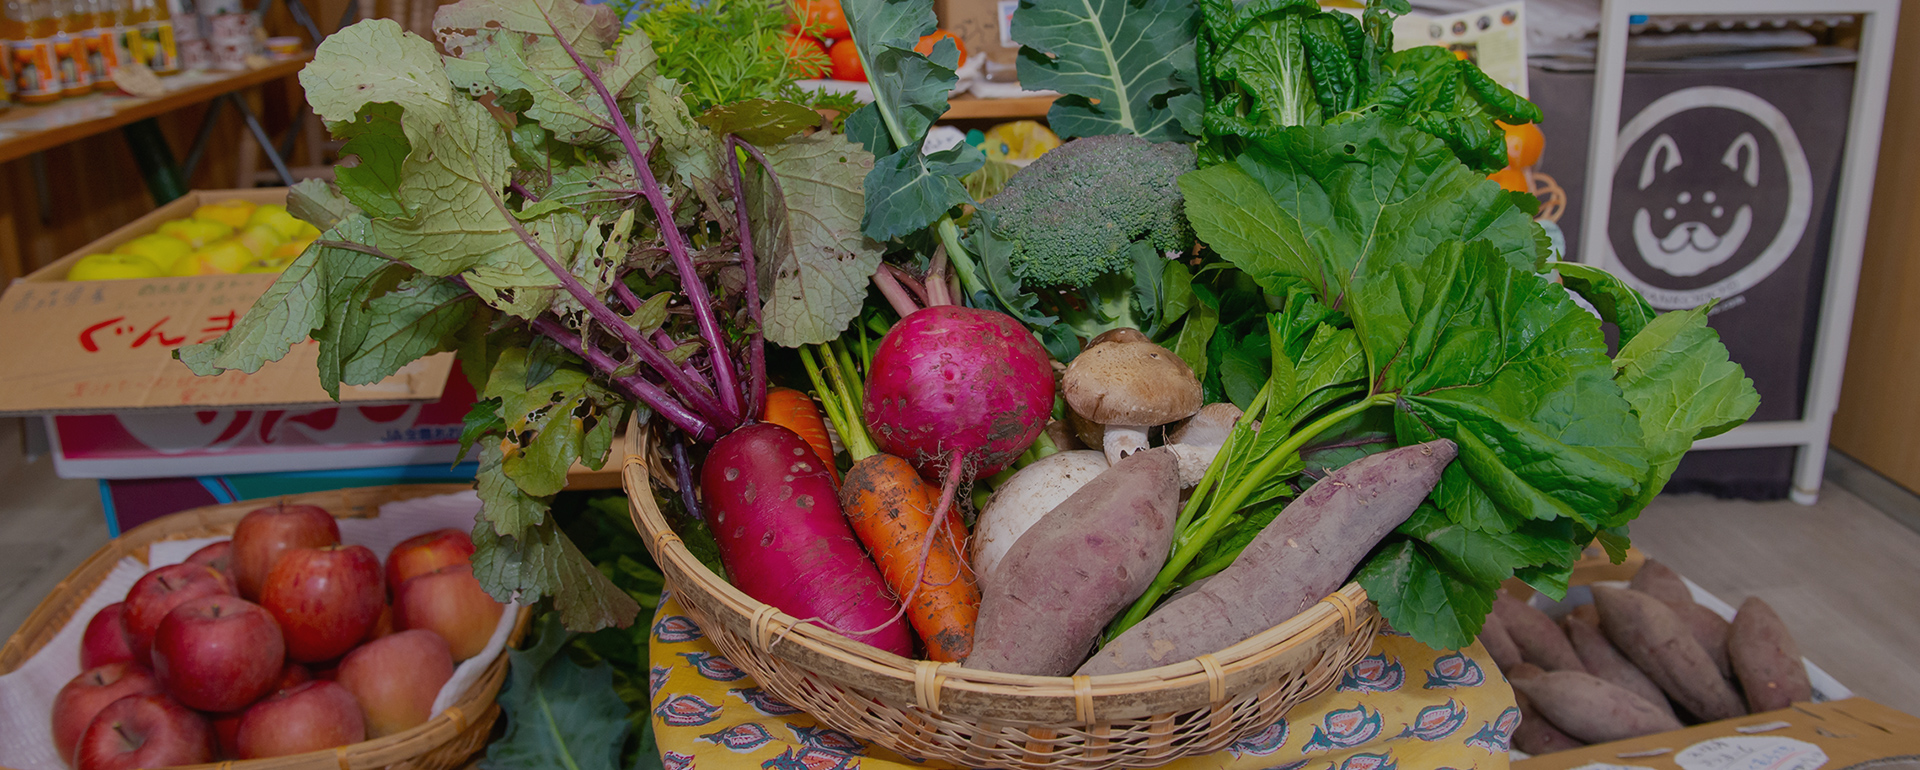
pixel 1586 612
pixel 1524 670
pixel 1766 658
pixel 1592 709
pixel 1708 628
pixel 1536 735
pixel 1306 553
pixel 1661 582
pixel 1603 661
pixel 1042 608
pixel 1540 641
pixel 1657 641
pixel 1493 636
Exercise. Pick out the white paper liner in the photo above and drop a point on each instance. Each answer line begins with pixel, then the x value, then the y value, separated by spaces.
pixel 26 694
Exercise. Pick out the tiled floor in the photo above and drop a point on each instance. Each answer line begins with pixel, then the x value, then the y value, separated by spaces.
pixel 1843 574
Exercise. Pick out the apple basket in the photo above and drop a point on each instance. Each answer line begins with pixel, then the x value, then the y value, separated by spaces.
pixel 446 741
pixel 976 718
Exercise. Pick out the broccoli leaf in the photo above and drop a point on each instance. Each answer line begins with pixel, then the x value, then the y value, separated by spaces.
pixel 1617 302
pixel 1124 66
pixel 1677 375
pixel 1323 204
pixel 814 262
pixel 909 189
pixel 558 713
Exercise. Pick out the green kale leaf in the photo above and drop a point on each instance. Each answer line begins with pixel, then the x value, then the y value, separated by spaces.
pixel 1124 66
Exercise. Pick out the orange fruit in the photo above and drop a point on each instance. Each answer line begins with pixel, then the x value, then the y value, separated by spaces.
pixel 806 57
pixel 1510 178
pixel 846 62
pixel 823 17
pixel 1524 144
pixel 925 46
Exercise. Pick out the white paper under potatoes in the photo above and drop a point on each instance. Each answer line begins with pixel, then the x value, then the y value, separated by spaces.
pixel 26 695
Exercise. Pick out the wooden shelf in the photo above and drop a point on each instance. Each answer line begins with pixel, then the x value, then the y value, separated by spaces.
pixel 27 129
pixel 966 107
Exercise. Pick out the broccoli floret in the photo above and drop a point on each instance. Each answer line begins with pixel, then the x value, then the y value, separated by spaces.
pixel 1073 214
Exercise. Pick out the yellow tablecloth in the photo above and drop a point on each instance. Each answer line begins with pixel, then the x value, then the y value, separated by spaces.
pixel 1406 706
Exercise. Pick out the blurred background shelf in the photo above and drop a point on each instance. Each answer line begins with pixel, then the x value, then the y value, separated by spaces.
pixel 970 108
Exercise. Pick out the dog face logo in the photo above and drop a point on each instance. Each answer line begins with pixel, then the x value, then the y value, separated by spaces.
pixel 1719 191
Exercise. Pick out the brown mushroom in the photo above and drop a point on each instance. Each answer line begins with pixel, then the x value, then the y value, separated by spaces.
pixel 1128 384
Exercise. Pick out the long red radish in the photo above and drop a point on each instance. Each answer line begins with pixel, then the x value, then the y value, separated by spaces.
pixel 793 410
pixel 783 540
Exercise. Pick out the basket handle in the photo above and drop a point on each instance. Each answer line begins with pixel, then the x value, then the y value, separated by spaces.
pixel 927 682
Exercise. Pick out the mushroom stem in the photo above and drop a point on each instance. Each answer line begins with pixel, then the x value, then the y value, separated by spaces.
pixel 1200 439
pixel 1123 440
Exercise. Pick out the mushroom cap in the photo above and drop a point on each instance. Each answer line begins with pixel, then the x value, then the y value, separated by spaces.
pixel 1131 382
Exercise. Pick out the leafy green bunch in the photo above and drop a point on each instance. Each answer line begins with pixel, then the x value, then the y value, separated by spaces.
pixel 730 51
pixel 542 200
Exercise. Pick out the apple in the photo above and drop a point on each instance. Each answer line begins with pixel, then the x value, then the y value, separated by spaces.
pixel 396 678
pixel 161 250
pixel 157 593
pixel 421 554
pixel 382 626
pixel 218 653
pixel 112 267
pixel 226 733
pixel 314 716
pixel 218 258
pixel 216 555
pixel 232 212
pixel 449 602
pixel 197 232
pixel 262 535
pixel 83 698
pixel 326 599
pixel 145 731
pixel 105 640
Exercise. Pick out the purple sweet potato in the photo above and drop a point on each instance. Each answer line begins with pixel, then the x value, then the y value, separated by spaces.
pixel 1708 628
pixel 1078 566
pixel 1592 709
pixel 1657 641
pixel 1540 641
pixel 1586 612
pixel 1304 555
pixel 1524 670
pixel 1536 735
pixel 1766 658
pixel 1603 661
pixel 1493 636
pixel 1661 582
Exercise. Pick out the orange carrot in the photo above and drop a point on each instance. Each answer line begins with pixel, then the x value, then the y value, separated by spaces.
pixel 793 410
pixel 891 509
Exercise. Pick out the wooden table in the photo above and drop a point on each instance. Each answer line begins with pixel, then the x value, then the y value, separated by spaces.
pixel 28 129
pixel 965 107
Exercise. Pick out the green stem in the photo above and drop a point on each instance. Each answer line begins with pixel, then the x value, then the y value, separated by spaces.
pixel 831 387
pixel 962 262
pixel 1223 509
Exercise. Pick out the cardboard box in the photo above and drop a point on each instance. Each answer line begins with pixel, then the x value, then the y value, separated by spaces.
pixel 1840 735
pixel 106 346
pixel 986 26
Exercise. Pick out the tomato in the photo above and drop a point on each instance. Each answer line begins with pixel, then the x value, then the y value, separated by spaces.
pixel 823 18
pixel 807 58
pixel 1511 178
pixel 846 62
pixel 1524 144
pixel 925 46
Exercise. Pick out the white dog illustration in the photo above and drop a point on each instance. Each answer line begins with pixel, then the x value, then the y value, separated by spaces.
pixel 1692 246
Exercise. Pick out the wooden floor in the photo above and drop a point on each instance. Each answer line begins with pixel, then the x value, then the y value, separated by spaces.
pixel 1844 575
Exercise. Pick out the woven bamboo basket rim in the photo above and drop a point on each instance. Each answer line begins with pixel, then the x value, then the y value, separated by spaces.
pixel 475 706
pixel 954 690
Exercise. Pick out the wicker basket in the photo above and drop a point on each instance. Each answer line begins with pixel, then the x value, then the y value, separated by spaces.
pixel 446 741
pixel 977 718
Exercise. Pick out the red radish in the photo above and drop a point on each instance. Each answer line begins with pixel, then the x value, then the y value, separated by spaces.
pixel 953 382
pixel 773 508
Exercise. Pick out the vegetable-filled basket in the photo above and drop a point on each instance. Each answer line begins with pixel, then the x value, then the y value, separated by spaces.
pixel 977 718
pixel 446 741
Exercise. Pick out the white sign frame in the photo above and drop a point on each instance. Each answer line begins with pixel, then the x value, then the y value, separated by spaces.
pixel 1879 22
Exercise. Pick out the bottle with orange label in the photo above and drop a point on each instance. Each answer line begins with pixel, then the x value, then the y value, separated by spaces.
pixel 6 61
pixel 105 46
pixel 69 46
pixel 30 51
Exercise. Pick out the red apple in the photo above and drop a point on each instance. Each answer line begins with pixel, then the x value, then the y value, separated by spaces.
pixel 157 593
pixel 310 717
pixel 421 554
pixel 264 534
pixel 325 599
pixel 291 676
pixel 226 733
pixel 216 555
pixel 449 602
pixel 396 678
pixel 105 640
pixel 218 653
pixel 83 698
pixel 145 731
pixel 382 626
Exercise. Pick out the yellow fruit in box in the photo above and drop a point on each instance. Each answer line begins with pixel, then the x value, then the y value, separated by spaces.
pixel 161 250
pixel 275 216
pixel 226 256
pixel 107 267
pixel 268 265
pixel 291 250
pixel 232 212
pixel 196 232
pixel 260 239
pixel 305 232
